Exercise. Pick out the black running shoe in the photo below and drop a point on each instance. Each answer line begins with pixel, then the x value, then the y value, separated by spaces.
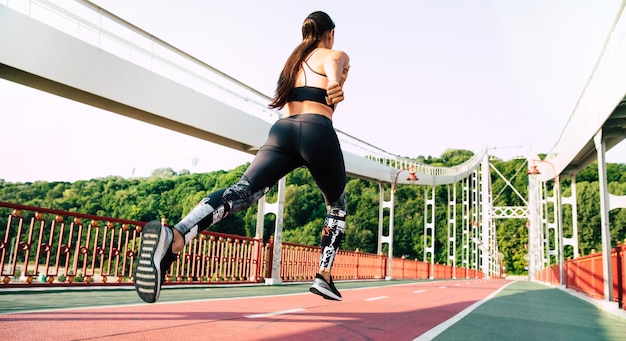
pixel 333 288
pixel 155 257
pixel 325 289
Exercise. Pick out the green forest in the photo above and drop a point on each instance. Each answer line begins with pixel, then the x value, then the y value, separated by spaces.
pixel 170 194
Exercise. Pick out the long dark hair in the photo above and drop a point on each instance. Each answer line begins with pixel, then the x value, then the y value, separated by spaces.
pixel 313 28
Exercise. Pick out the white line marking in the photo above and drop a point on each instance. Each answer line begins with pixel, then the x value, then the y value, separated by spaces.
pixel 282 312
pixel 418 291
pixel 376 298
pixel 131 288
pixel 440 328
pixel 442 287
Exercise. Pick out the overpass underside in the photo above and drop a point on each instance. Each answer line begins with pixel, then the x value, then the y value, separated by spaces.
pixel 205 104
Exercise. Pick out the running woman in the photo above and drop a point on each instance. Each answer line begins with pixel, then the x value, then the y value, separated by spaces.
pixel 309 89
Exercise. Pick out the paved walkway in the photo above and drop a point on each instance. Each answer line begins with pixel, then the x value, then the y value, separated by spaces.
pixel 377 310
pixel 529 311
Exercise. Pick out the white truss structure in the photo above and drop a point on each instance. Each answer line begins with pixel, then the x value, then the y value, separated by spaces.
pixel 510 212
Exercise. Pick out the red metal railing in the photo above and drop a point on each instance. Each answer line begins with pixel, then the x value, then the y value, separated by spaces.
pixel 59 245
pixel 68 248
pixel 219 258
pixel 58 248
pixel 584 274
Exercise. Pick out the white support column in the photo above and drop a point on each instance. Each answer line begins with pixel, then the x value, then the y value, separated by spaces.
pixel 604 218
pixel 571 200
pixel 389 237
pixel 466 225
pixel 475 231
pixel 496 256
pixel 535 242
pixel 381 211
pixel 260 217
pixel 260 222
pixel 486 215
pixel 452 228
pixel 429 229
pixel 493 257
pixel 277 208
pixel 540 250
pixel 559 226
pixel 551 237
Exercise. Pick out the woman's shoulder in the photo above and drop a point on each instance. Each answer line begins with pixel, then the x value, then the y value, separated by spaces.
pixel 324 53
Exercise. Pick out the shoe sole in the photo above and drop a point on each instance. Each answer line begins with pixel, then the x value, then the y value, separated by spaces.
pixel 329 295
pixel 147 274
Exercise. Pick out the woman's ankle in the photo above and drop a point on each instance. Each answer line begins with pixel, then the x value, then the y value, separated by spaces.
pixel 325 273
pixel 179 241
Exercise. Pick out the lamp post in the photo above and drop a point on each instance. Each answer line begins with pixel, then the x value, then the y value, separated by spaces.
pixel 533 221
pixel 557 208
pixel 411 178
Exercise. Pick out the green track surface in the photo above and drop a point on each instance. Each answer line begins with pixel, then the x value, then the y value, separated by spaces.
pixel 530 311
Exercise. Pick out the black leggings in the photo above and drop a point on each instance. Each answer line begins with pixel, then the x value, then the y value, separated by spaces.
pixel 299 140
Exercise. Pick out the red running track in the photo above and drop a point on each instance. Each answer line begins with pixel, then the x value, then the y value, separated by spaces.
pixel 397 312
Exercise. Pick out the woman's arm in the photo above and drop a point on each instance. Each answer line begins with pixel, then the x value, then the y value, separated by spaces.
pixel 336 69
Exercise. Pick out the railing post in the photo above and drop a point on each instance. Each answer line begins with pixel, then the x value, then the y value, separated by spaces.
pixel 270 258
pixel 621 274
pixel 256 261
pixel 357 256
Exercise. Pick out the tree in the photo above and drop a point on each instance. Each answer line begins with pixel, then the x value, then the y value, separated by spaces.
pixel 454 157
pixel 170 195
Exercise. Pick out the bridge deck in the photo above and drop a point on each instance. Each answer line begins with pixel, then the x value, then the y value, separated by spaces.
pixel 394 310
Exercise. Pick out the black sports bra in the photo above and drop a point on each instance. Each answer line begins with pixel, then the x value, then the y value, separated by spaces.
pixel 310 93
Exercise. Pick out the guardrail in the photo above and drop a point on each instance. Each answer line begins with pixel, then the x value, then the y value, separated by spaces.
pixel 47 247
pixel 584 274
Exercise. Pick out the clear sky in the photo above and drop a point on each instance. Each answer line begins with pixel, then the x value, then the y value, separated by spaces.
pixel 425 76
